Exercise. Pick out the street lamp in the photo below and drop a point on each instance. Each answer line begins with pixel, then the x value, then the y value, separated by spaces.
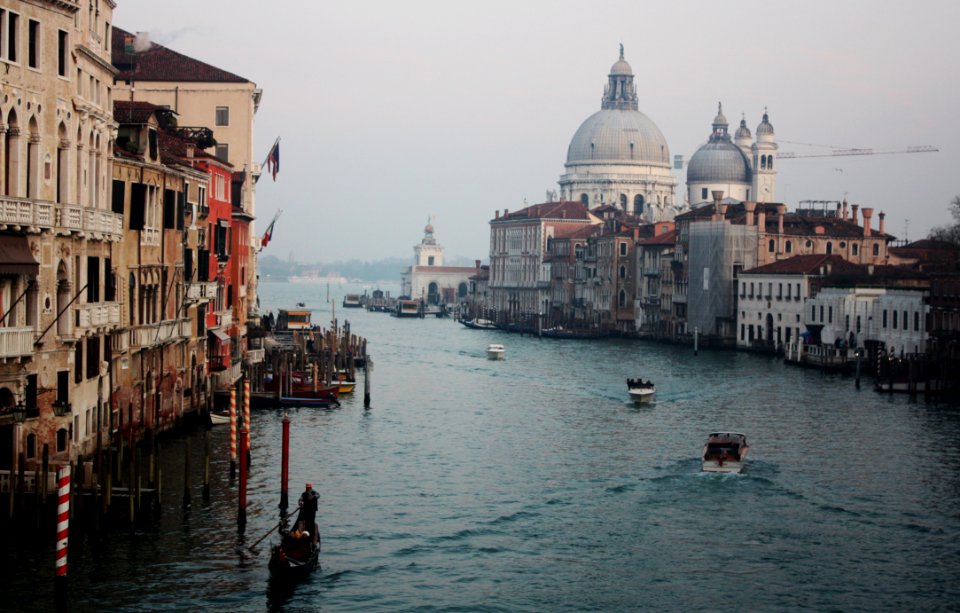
pixel 60 408
pixel 19 413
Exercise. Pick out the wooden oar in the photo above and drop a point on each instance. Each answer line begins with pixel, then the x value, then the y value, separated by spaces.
pixel 270 531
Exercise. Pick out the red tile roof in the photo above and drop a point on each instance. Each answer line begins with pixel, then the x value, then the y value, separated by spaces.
pixel 136 113
pixel 795 224
pixel 667 238
pixel 161 64
pixel 803 265
pixel 566 209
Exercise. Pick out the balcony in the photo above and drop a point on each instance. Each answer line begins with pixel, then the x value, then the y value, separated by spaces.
pixel 16 342
pixel 150 236
pixel 87 221
pixel 98 315
pixel 151 335
pixel 25 213
pixel 202 291
pixel 225 378
pixel 225 319
pixel 120 341
pixel 255 356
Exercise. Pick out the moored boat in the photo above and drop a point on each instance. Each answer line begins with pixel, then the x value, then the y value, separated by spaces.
pixel 352 301
pixel 725 452
pixel 641 391
pixel 407 308
pixel 495 351
pixel 479 324
pixel 219 419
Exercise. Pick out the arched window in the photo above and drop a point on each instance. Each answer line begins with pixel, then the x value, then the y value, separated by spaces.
pixel 61 440
pixel 623 272
pixel 771 246
pixel 638 205
pixel 622 299
pixel 763 162
pixel 876 249
pixel 855 249
pixel 829 248
pixel 788 247
pixel 585 199
pixel 11 156
pixel 462 290
pixel 623 249
pixel 623 201
pixel 769 162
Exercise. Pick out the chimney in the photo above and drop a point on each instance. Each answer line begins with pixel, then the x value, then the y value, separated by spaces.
pixel 844 209
pixel 880 229
pixel 477 262
pixel 762 219
pixel 867 219
pixel 506 212
pixel 750 208
pixel 838 211
pixel 496 214
pixel 717 197
pixel 853 217
pixel 781 212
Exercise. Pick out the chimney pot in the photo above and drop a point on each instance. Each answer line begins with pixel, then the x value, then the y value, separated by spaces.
pixel 750 207
pixel 844 209
pixel 853 217
pixel 880 230
pixel 867 220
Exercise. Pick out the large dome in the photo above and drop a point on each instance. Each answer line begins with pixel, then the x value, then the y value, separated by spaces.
pixel 619 136
pixel 718 161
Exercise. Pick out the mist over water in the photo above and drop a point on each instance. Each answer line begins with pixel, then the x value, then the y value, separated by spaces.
pixel 532 484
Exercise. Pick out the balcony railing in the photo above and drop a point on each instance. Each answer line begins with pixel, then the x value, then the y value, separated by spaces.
pixel 22 212
pixel 226 378
pixel 255 356
pixel 75 218
pixel 120 341
pixel 225 318
pixel 16 342
pixel 98 315
pixel 150 335
pixel 202 290
pixel 150 236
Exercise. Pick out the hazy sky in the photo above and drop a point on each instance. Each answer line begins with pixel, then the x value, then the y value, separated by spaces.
pixel 391 112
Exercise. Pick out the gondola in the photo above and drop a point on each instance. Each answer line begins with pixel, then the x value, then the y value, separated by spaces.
pixel 296 555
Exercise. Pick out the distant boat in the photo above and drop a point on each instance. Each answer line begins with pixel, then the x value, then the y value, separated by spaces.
pixel 352 301
pixel 479 324
pixel 641 391
pixel 725 452
pixel 495 351
pixel 407 308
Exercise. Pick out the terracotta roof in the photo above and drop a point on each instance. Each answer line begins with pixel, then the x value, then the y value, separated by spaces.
pixel 667 238
pixel 566 209
pixel 136 113
pixel 161 64
pixel 803 265
pixel 794 224
pixel 174 149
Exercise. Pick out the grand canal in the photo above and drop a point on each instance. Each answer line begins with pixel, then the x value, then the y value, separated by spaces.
pixel 532 484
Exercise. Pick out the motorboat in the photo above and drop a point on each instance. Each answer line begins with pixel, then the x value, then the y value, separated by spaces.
pixel 641 391
pixel 479 324
pixel 495 351
pixel 725 452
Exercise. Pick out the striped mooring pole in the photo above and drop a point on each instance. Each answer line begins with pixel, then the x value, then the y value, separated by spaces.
pixel 233 432
pixel 63 524
pixel 246 416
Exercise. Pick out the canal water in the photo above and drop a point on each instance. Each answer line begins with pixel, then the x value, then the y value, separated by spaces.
pixel 532 484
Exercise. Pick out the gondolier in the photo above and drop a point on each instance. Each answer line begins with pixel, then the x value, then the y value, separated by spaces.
pixel 309 500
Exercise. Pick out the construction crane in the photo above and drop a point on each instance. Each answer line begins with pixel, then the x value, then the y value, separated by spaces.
pixel 679 162
pixel 789 155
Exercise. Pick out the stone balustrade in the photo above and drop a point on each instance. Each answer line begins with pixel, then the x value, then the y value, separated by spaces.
pixel 16 342
pixel 98 315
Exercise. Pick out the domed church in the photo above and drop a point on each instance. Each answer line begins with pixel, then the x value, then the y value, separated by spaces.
pixel 619 157
pixel 740 168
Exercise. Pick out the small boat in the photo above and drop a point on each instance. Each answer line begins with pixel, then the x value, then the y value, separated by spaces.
pixel 320 398
pixel 407 308
pixel 641 391
pixel 297 554
pixel 495 351
pixel 345 384
pixel 725 452
pixel 479 324
pixel 219 419
pixel 352 301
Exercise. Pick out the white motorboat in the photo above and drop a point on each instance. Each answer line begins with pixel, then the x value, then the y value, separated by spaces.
pixel 641 391
pixel 495 351
pixel 725 452
pixel 219 419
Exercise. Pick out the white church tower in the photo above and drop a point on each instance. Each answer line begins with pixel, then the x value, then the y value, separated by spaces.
pixel 764 163
pixel 428 252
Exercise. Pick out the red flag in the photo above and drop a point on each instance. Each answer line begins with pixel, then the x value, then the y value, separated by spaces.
pixel 269 233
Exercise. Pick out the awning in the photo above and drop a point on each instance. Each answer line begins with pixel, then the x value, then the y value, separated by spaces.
pixel 222 336
pixel 15 256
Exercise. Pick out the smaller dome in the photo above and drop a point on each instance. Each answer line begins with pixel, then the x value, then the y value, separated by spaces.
pixel 621 68
pixel 718 161
pixel 743 131
pixel 765 127
pixel 720 120
pixel 428 229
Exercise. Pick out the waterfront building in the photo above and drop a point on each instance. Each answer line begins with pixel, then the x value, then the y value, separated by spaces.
pixel 615 287
pixel 618 156
pixel 729 237
pixel 226 103
pixel 771 299
pixel 653 305
pixel 58 234
pixel 564 250
pixel 429 280
pixel 519 281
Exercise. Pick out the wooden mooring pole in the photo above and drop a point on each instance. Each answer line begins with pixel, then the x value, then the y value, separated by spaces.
pixel 285 464
pixel 242 499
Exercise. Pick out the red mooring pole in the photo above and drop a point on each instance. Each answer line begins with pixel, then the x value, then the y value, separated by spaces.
pixel 242 507
pixel 233 432
pixel 63 526
pixel 285 463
